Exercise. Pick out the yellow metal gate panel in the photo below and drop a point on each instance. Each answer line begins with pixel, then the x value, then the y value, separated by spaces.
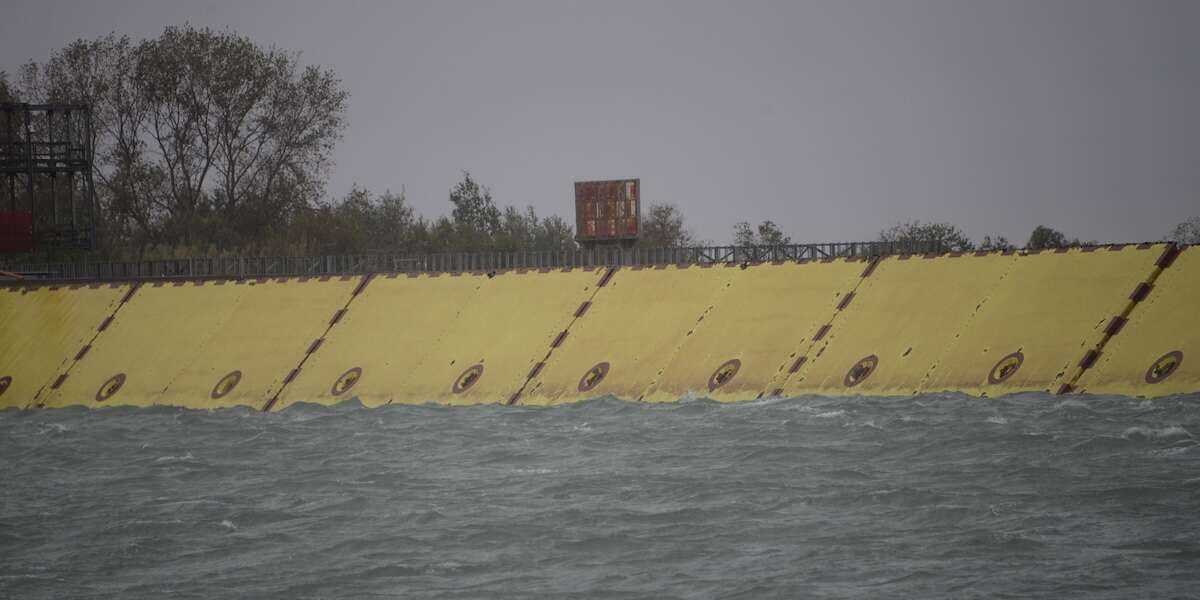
pixel 273 324
pixel 374 351
pixel 898 325
pixel 42 330
pixel 1157 351
pixel 626 337
pixel 501 336
pixel 764 320
pixel 153 337
pixel 1038 324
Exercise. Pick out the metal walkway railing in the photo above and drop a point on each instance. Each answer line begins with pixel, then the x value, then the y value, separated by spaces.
pixel 286 266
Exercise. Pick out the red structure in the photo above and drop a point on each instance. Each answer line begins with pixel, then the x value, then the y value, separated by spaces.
pixel 608 212
pixel 16 232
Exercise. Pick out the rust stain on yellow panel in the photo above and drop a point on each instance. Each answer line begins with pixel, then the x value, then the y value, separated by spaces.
pixel 42 330
pixel 898 324
pixel 1157 351
pixel 763 321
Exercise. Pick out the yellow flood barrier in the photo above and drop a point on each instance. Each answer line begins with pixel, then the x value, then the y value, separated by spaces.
pixel 1039 323
pixel 204 344
pixel 755 332
pixel 625 339
pixel 43 329
pixel 451 339
pixel 1156 352
pixel 375 350
pixel 502 337
pixel 898 324
pixel 1108 320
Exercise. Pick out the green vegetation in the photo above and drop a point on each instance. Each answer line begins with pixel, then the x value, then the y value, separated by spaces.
pixel 209 144
pixel 945 234
pixel 662 225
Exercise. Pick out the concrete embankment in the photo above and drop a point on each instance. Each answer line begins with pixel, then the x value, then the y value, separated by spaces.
pixel 1109 320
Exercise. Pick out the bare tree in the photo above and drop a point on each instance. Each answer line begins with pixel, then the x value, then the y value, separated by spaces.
pixel 767 234
pixel 1186 232
pixel 198 126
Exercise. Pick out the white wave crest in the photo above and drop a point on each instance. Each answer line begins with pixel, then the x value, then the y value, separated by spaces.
pixel 1150 433
pixel 829 414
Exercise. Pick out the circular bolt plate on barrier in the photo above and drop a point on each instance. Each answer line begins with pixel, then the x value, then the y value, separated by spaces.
pixel 593 377
pixel 1006 367
pixel 1164 366
pixel 4 383
pixel 724 374
pixel 226 385
pixel 468 378
pixel 110 387
pixel 345 381
pixel 860 371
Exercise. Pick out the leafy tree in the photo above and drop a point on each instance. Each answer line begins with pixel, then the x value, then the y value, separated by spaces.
pixel 663 225
pixel 198 129
pixel 999 242
pixel 555 234
pixel 1186 232
pixel 476 217
pixel 208 144
pixel 523 230
pixel 944 235
pixel 767 234
pixel 1044 238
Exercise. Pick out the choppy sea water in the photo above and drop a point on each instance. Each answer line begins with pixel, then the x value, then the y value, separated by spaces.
pixel 930 496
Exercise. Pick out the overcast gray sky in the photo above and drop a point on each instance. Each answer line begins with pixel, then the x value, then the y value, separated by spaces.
pixel 834 119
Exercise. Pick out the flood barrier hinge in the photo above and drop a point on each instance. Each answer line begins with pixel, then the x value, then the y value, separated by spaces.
pixel 1115 326
pixel 607 275
pixel 361 284
pixel 845 301
pixel 536 369
pixel 799 363
pixel 871 267
pixel 1168 256
pixel 583 308
pixel 1141 291
pixel 822 332
pixel 562 335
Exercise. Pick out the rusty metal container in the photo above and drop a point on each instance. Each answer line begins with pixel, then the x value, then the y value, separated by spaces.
pixel 607 211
